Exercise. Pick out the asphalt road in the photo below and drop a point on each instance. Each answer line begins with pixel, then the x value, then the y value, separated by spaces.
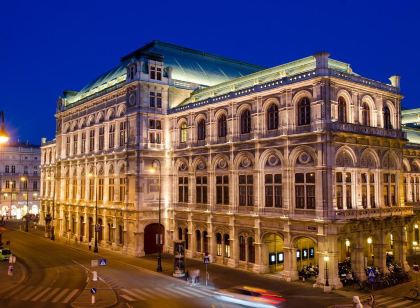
pixel 56 276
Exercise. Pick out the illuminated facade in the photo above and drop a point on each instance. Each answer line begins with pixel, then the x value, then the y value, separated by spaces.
pixel 265 169
pixel 19 179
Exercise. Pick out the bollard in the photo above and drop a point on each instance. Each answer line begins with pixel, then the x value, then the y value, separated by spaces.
pixel 93 299
pixel 10 270
pixel 95 276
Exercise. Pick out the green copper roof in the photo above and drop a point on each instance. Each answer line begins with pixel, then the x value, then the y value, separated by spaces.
pixel 263 76
pixel 186 65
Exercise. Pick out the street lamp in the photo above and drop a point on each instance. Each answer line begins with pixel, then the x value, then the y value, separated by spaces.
pixel 4 136
pixel 95 249
pixel 25 181
pixel 369 241
pixel 326 259
pixel 158 236
pixel 348 247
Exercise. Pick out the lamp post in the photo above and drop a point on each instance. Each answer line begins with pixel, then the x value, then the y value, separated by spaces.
pixel 53 214
pixel 24 180
pixel 348 247
pixel 369 241
pixel 326 259
pixel 95 249
pixel 159 235
pixel 4 136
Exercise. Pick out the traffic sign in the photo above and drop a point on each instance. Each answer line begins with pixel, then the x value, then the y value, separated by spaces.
pixel 102 262
pixel 206 259
pixel 93 291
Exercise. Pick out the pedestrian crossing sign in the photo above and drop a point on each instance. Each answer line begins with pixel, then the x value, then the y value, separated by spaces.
pixel 102 262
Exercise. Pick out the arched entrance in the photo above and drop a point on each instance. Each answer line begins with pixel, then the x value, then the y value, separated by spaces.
pixel 150 238
pixel 305 252
pixel 273 252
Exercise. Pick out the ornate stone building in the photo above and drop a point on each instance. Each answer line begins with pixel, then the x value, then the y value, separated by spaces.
pixel 19 179
pixel 265 169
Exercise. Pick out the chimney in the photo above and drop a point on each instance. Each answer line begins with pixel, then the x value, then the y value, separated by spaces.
pixel 395 81
pixel 321 59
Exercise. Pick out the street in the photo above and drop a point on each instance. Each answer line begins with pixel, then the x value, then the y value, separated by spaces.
pixel 58 274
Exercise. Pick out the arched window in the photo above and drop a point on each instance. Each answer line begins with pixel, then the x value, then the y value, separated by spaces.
pixel 186 238
pixel 246 122
pixel 183 135
pixel 242 249
pixel 226 243
pixel 180 233
pixel 304 111
pixel 222 126
pixel 198 240
pixel 201 130
pixel 205 242
pixel 218 244
pixel 342 111
pixel 251 250
pixel 273 117
pixel 365 115
pixel 387 118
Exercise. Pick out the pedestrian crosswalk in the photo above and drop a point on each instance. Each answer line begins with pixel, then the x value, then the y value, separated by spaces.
pixel 146 294
pixel 384 301
pixel 31 293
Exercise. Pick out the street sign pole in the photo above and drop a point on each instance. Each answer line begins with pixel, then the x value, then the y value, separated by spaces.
pixel 206 274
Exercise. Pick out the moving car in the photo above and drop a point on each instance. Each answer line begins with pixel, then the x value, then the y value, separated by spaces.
pixel 251 297
pixel 5 254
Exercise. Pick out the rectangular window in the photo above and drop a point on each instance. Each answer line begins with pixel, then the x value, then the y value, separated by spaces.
pixel 68 145
pixel 123 183
pixel 83 145
pixel 111 136
pixel 183 189
pixel 100 189
pixel 364 191
pixel 273 190
pixel 222 189
pixel 246 190
pixel 155 99
pixel 67 189
pixel 123 128
pixel 92 140
pixel 101 138
pixel 201 189
pixel 111 189
pixel 75 144
pixel 155 72
pixel 91 189
pixel 305 190
pixel 13 169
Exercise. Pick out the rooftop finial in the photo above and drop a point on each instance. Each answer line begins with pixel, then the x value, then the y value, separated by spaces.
pixel 395 81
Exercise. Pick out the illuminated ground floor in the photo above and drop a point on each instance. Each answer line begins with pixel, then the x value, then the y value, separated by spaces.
pixel 262 244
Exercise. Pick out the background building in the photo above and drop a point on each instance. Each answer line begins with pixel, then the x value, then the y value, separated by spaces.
pixel 267 170
pixel 19 179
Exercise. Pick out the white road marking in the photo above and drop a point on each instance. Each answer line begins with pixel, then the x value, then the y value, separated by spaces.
pixel 131 293
pixel 181 293
pixel 204 292
pixel 128 298
pixel 69 297
pixel 400 304
pixel 50 295
pixel 31 293
pixel 40 294
pixel 60 295
pixel 190 291
pixel 15 291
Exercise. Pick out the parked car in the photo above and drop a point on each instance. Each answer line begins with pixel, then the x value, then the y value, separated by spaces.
pixel 251 297
pixel 5 254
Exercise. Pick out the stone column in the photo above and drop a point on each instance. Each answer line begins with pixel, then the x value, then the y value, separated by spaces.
pixel 290 271
pixel 400 249
pixel 358 258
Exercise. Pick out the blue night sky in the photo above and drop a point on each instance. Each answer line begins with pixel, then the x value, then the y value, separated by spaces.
pixel 49 46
